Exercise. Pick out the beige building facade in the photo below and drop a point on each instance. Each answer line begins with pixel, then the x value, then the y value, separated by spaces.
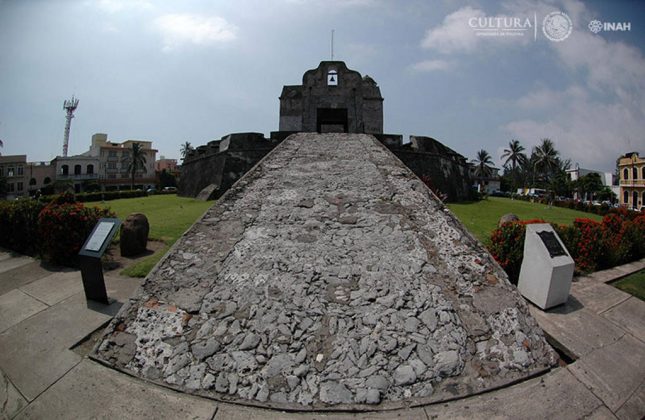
pixel 631 170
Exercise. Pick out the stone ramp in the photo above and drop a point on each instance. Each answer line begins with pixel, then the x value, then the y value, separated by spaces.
pixel 328 277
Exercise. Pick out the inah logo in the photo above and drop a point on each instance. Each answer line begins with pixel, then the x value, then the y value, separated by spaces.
pixel 557 26
pixel 596 26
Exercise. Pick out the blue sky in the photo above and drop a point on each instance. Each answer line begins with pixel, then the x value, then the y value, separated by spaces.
pixel 176 71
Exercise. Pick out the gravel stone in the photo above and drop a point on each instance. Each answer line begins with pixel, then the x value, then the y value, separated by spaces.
pixel 404 375
pixel 333 392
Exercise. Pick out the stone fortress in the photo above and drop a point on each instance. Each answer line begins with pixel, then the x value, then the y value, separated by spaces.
pixel 328 277
pixel 331 98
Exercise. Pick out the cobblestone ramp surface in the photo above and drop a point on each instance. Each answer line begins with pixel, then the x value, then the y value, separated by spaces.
pixel 329 277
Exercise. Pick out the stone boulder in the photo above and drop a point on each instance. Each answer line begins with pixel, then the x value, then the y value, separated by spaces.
pixel 508 217
pixel 134 235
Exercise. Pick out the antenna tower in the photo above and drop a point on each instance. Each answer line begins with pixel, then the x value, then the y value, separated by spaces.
pixel 69 106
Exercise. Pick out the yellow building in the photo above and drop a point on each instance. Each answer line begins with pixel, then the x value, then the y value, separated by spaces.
pixel 631 169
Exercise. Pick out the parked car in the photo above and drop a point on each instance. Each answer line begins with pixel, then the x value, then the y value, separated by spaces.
pixel 170 189
pixel 151 190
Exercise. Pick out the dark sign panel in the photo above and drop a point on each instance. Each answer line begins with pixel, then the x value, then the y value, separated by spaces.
pixel 552 244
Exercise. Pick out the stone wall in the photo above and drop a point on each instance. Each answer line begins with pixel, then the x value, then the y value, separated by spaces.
pixel 222 162
pixel 447 170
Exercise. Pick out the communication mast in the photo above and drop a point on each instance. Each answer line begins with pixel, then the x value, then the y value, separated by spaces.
pixel 69 106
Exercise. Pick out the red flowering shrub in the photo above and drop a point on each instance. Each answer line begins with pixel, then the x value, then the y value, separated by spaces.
pixel 620 238
pixel 589 251
pixel 507 246
pixel 64 227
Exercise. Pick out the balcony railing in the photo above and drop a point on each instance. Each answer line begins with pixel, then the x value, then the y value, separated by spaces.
pixel 78 177
pixel 632 182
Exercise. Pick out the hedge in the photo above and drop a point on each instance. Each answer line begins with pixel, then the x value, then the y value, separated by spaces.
pixel 102 195
pixel 618 239
pixel 55 231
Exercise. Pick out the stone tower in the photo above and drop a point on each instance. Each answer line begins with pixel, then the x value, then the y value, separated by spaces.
pixel 332 98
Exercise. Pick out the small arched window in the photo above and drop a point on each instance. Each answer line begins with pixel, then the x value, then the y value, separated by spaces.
pixel 643 172
pixel 625 197
pixel 64 170
pixel 47 180
pixel 625 174
pixel 77 169
pixel 32 181
pixel 634 173
pixel 90 169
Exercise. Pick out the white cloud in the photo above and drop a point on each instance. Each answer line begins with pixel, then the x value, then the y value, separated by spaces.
pixel 454 34
pixel 432 65
pixel 178 29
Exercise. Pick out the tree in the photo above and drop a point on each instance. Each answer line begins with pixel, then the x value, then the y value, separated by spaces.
pixel 135 161
pixel 514 154
pixel 546 159
pixel 185 149
pixel 589 184
pixel 166 179
pixel 483 166
pixel 515 157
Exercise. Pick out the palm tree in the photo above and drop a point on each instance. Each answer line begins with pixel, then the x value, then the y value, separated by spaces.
pixel 483 166
pixel 546 158
pixel 185 149
pixel 135 161
pixel 514 154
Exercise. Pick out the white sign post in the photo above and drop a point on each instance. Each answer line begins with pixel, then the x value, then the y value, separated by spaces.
pixel 547 268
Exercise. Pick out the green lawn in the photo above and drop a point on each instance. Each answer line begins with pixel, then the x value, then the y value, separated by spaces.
pixel 169 217
pixel 482 217
pixel 633 284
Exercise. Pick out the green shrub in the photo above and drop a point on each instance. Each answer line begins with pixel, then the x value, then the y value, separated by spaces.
pixel 19 225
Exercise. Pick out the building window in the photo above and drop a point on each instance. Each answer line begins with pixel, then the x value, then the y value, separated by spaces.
pixel 20 186
pixel 332 78
pixel 10 172
pixel 64 170
pixel 634 199
pixel 90 169
pixel 643 172
pixel 10 187
pixel 32 181
pixel 1 170
pixel 125 175
pixel 625 197
pixel 112 154
pixel 625 174
pixel 77 169
pixel 47 180
pixel 111 165
pixel 20 171
pixel 634 173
